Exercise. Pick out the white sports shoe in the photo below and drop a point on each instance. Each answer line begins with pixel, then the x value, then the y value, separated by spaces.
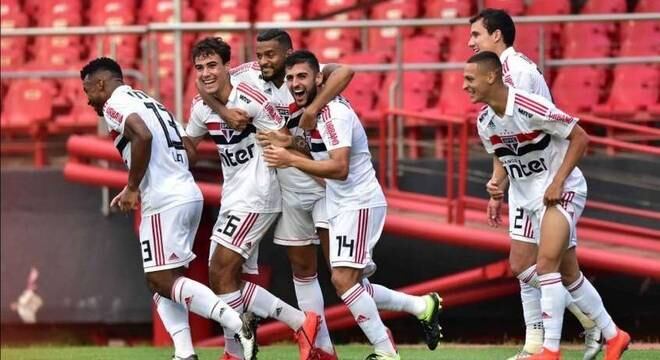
pixel 522 354
pixel 593 343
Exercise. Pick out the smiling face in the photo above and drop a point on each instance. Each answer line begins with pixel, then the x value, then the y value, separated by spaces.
pixel 481 40
pixel 303 82
pixel 94 87
pixel 476 82
pixel 211 72
pixel 270 56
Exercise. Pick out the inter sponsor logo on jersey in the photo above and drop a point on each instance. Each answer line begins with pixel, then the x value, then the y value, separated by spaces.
pixel 517 169
pixel 231 158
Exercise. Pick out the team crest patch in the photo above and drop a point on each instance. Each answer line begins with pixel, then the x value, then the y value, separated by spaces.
pixel 511 141
pixel 227 132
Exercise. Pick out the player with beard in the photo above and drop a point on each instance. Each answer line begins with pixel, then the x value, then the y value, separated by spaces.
pixel 251 198
pixel 356 209
pixel 303 224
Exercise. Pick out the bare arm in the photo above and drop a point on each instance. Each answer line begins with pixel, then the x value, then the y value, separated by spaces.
pixel 336 79
pixel 136 131
pixel 336 167
pixel 579 140
pixel 191 149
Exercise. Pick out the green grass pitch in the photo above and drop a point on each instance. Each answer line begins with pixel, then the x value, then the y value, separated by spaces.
pixel 288 352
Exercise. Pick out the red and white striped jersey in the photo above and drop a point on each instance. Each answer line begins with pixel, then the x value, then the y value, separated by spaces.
pixel 167 182
pixel 530 141
pixel 291 178
pixel 249 184
pixel 337 127
pixel 521 73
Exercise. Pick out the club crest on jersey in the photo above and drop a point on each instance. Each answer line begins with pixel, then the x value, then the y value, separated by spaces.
pixel 511 141
pixel 227 132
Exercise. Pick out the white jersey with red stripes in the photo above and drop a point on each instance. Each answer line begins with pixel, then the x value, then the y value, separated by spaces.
pixel 167 182
pixel 337 127
pixel 291 178
pixel 249 184
pixel 530 141
pixel 521 73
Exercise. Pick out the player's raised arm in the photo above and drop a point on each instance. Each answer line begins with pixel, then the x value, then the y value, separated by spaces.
pixel 336 78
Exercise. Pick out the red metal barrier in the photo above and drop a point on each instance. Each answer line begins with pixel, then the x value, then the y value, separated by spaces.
pixel 452 288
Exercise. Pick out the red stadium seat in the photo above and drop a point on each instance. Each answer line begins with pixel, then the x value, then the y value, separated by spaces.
pixel 586 40
pixel 544 7
pixel 448 8
pixel 527 40
pixel 453 100
pixel 421 48
pixel 634 45
pixel 321 7
pixel 458 44
pixel 385 38
pixel 604 7
pixel 28 102
pixel 648 6
pixel 513 7
pixel 634 89
pixel 577 89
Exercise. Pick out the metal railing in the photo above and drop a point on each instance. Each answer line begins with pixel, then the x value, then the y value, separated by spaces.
pixel 177 27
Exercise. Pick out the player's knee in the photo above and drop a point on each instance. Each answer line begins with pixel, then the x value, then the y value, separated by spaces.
pixel 569 276
pixel 303 266
pixel 158 284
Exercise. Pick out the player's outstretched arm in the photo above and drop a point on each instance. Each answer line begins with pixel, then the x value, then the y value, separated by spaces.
pixel 237 119
pixel 336 78
pixel 336 167
pixel 578 141
pixel 190 145
pixel 136 131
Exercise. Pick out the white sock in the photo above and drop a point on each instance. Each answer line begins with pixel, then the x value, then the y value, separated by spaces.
pixel 530 297
pixel 310 298
pixel 175 319
pixel 203 302
pixel 235 301
pixel 388 299
pixel 589 301
pixel 266 305
pixel 553 302
pixel 363 308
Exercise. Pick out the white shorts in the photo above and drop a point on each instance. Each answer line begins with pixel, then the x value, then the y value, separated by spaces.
pixel 525 225
pixel 241 232
pixel 166 238
pixel 302 213
pixel 353 236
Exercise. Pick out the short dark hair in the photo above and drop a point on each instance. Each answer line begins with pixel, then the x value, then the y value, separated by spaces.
pixel 212 45
pixel 488 59
pixel 102 63
pixel 497 19
pixel 279 35
pixel 303 57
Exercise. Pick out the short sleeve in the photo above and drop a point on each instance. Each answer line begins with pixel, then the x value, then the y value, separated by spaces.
pixel 555 122
pixel 337 129
pixel 244 73
pixel 116 111
pixel 485 140
pixel 196 125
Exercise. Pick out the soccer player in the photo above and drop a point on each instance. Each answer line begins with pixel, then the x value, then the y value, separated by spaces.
pixel 538 146
pixel 356 209
pixel 303 223
pixel 154 148
pixel 251 199
pixel 494 30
